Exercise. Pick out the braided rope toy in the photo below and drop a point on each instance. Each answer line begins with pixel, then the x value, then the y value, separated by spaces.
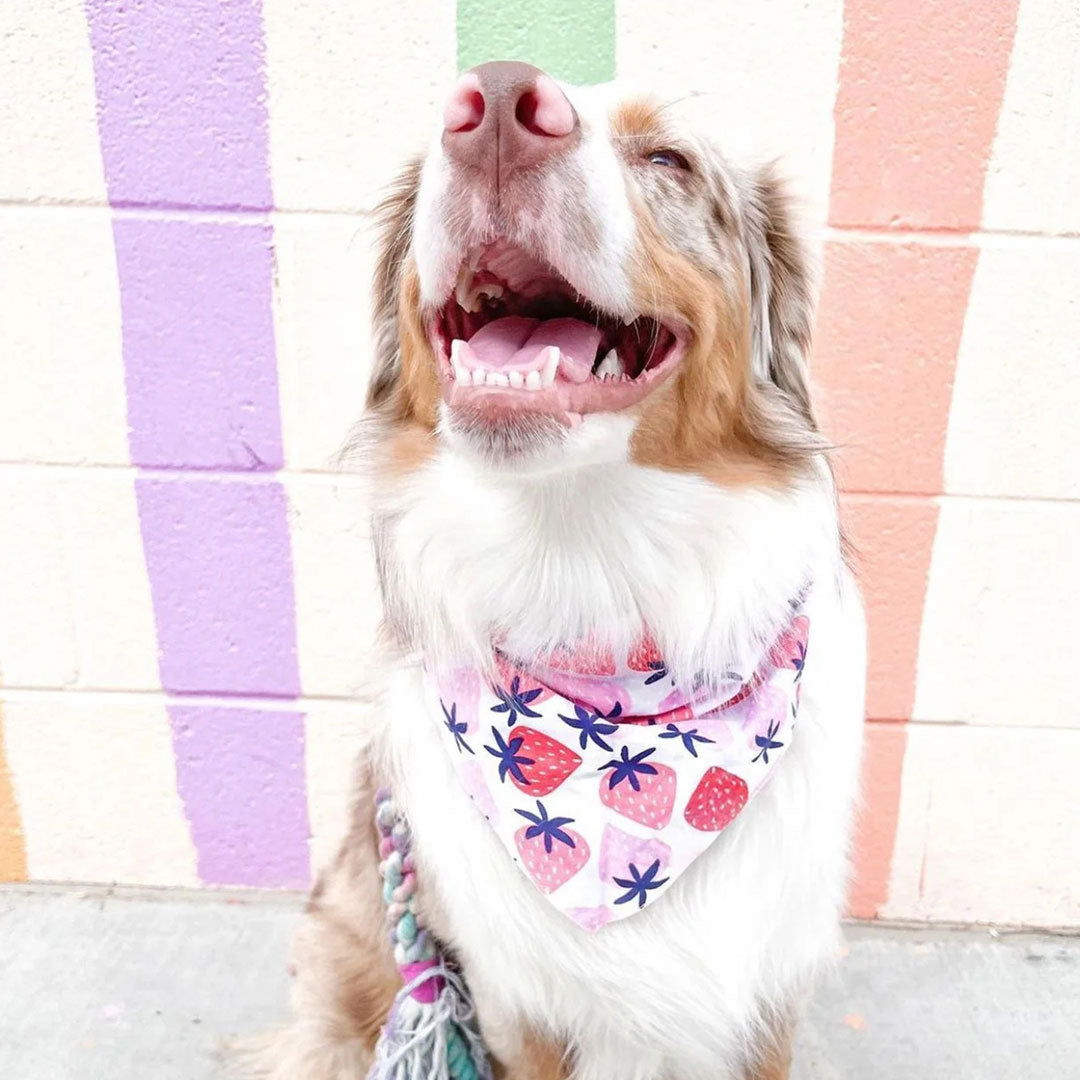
pixel 430 1033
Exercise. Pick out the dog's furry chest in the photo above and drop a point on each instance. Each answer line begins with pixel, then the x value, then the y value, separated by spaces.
pixel 675 991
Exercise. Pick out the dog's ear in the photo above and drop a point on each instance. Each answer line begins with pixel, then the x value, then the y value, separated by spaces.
pixel 781 291
pixel 395 220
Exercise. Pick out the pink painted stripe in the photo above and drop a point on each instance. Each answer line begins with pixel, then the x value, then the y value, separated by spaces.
pixel 182 115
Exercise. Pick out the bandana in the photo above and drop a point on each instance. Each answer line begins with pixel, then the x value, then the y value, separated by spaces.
pixel 603 778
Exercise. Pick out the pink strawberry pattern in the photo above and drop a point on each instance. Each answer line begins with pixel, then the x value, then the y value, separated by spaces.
pixel 606 775
pixel 532 761
pixel 584 658
pixel 639 789
pixel 619 849
pixel 716 800
pixel 551 852
pixel 644 654
pixel 460 688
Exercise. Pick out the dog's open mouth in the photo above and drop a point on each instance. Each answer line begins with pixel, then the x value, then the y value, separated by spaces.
pixel 516 334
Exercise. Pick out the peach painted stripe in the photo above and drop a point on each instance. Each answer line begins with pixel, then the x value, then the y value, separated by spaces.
pixel 879 812
pixel 921 85
pixel 889 329
pixel 892 537
pixel 12 842
pixel 920 90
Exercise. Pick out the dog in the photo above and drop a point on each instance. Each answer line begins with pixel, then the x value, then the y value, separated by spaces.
pixel 594 460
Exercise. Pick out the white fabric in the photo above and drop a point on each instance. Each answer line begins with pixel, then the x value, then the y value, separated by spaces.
pixel 603 778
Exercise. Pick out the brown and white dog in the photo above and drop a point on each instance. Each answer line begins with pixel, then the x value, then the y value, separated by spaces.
pixel 672 478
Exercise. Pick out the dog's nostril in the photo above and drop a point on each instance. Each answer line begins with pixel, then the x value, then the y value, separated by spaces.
pixel 464 110
pixel 525 113
pixel 544 110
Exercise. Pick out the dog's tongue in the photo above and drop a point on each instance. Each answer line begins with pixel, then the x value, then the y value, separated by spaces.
pixel 515 344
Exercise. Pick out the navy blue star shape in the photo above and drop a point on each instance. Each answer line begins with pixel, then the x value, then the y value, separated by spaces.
pixel 688 737
pixel 659 671
pixel 638 885
pixel 590 725
pixel 767 742
pixel 799 662
pixel 549 828
pixel 626 767
pixel 514 700
pixel 456 728
pixel 510 761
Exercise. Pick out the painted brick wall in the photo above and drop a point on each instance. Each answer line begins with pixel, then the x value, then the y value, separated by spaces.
pixel 185 598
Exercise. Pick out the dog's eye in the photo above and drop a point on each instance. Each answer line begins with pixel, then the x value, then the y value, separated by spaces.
pixel 670 159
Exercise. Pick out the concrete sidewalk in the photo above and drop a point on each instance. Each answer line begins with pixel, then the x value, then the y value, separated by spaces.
pixel 146 986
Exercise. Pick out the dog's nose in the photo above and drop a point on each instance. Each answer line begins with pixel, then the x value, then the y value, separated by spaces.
pixel 507 116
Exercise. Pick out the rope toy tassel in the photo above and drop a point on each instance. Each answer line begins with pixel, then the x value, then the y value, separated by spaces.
pixel 431 1032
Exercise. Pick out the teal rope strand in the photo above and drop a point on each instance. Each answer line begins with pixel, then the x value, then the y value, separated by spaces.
pixel 422 1040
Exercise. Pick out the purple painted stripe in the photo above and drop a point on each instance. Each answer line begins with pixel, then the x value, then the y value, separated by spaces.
pixel 199 343
pixel 182 102
pixel 182 114
pixel 217 552
pixel 241 778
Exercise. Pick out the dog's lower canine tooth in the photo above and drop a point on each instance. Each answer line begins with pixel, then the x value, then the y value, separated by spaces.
pixel 610 365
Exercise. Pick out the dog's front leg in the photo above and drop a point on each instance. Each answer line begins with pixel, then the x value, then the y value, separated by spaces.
pixel 531 1059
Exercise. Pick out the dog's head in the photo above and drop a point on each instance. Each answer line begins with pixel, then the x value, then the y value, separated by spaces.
pixel 566 276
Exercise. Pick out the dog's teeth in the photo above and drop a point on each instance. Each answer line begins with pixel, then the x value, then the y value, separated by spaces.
pixel 610 365
pixel 463 289
pixel 471 297
pixel 489 289
pixel 478 377
pixel 550 359
pixel 457 368
pixel 497 378
pixel 532 380
pixel 517 380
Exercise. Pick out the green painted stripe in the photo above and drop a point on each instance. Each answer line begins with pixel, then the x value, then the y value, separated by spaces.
pixel 572 40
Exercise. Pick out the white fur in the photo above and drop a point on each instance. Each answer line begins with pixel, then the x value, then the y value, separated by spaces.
pixel 674 992
pixel 449 224
pixel 579 540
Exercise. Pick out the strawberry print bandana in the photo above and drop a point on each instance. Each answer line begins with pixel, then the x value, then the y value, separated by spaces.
pixel 603 778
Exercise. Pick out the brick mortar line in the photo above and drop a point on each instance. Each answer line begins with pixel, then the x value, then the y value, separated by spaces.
pixel 284 704
pixel 992 238
pixel 209 700
pixel 924 496
pixel 289 899
pixel 330 477
pixel 254 215
pixel 258 476
pixel 249 216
